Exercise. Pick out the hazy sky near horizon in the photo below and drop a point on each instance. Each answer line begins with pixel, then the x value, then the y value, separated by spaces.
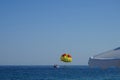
pixel 37 32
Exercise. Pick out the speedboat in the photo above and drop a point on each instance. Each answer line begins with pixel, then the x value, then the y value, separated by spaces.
pixel 56 66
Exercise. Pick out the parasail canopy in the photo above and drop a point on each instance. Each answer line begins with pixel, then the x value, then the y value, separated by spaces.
pixel 66 57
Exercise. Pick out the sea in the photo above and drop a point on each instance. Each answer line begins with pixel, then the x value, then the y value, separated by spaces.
pixel 48 72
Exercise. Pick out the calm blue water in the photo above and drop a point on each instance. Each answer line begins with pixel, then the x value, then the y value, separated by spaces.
pixel 63 73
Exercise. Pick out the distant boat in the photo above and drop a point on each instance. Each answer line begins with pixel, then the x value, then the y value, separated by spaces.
pixel 56 66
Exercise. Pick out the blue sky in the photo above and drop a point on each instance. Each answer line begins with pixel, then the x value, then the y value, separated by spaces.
pixel 37 32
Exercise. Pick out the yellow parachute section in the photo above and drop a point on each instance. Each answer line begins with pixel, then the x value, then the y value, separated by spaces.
pixel 66 58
